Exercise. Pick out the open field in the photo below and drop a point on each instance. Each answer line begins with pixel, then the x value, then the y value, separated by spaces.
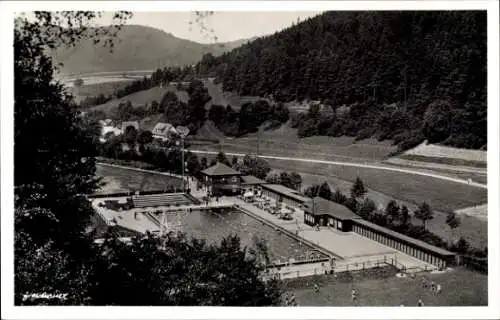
pixel 436 151
pixel 141 98
pixel 93 90
pixel 443 160
pixel 460 288
pixel 222 98
pixel 285 142
pixel 121 180
pixel 440 194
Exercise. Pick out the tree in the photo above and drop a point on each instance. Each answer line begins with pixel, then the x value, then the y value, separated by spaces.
pixel 339 197
pixel 255 166
pixel 312 191
pixel 130 135
pixel 166 271
pixel 366 208
pixel 351 203
pixel 453 221
pixel 273 178
pixel 392 211
pixel 145 137
pixel 54 162
pixel 221 157
pixel 424 213
pixel 437 121
pixel 462 246
pixel 155 107
pixel 204 163
pixel 405 218
pixel 198 97
pixel 358 189
pixel 324 191
pixel 234 161
pixel 193 165
pixel 296 180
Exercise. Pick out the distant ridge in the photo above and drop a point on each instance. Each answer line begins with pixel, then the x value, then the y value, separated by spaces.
pixel 136 48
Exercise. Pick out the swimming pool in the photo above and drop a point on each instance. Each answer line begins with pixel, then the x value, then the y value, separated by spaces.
pixel 214 226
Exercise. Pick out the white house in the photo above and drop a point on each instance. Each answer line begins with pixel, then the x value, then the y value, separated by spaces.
pixel 162 130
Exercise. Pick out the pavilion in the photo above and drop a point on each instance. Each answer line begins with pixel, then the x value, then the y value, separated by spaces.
pixel 221 179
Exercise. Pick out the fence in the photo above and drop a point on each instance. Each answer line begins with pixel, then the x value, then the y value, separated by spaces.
pixel 295 271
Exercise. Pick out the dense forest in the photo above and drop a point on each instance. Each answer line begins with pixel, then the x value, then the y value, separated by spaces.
pixel 405 76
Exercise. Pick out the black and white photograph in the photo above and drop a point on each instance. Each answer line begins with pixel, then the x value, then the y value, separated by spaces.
pixel 250 154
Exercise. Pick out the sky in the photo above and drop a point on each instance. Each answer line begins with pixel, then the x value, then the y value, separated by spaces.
pixel 226 25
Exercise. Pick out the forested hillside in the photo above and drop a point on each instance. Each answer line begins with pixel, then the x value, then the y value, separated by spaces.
pixel 406 76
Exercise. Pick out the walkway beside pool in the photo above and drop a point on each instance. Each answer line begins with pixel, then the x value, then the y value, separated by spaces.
pixel 350 246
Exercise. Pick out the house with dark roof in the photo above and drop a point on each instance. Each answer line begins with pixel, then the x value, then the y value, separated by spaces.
pixel 221 179
pixel 319 211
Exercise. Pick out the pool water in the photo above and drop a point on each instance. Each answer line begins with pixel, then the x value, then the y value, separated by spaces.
pixel 214 226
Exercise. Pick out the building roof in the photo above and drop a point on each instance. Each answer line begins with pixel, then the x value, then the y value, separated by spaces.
pixel 326 207
pixel 287 192
pixel 162 128
pixel 407 239
pixel 252 180
pixel 220 169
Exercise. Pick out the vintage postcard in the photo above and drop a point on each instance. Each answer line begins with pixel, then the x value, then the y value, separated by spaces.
pixel 282 155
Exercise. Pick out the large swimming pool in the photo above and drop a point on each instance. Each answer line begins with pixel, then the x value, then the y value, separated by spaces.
pixel 213 226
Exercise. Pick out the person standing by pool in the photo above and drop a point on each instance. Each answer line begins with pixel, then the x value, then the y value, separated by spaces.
pixel 354 296
pixel 438 289
pixel 420 303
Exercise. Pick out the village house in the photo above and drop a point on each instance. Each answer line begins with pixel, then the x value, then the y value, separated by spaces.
pixel 162 131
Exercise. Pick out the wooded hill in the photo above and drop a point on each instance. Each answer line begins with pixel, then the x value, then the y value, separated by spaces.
pixel 406 76
pixel 136 48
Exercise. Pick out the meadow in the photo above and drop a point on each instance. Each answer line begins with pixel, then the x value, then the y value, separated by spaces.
pixel 122 180
pixel 141 98
pixel 460 287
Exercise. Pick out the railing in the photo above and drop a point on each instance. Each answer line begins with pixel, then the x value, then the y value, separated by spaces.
pixel 289 272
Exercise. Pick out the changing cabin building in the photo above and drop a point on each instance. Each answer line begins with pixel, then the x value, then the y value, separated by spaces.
pixel 284 195
pixel 319 211
pixel 220 179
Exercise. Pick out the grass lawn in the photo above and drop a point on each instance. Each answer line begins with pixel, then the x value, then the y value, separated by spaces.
pixel 227 98
pixel 120 180
pixel 441 160
pixel 141 98
pixel 439 194
pixel 93 90
pixel 284 141
pixel 460 288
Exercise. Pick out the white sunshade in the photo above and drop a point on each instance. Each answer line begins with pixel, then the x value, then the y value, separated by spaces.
pixel 285 211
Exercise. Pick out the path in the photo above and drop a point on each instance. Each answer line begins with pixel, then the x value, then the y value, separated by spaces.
pixel 358 165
